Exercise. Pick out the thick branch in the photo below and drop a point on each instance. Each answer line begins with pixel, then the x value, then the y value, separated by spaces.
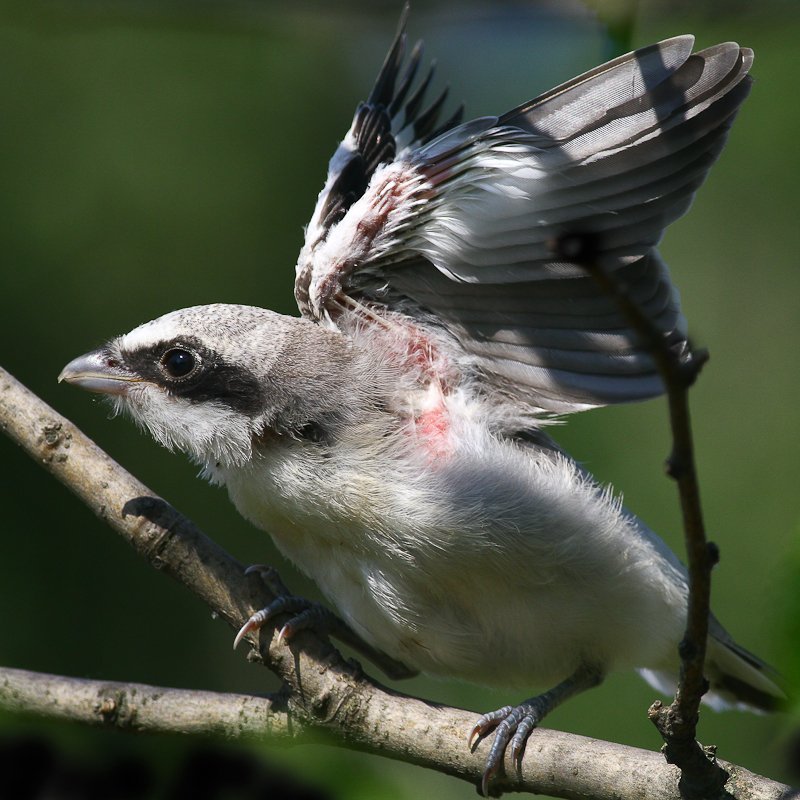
pixel 138 707
pixel 564 765
pixel 324 690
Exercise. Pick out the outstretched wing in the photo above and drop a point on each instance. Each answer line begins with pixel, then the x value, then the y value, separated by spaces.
pixel 462 223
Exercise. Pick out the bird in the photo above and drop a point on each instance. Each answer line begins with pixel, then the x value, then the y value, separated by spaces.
pixel 393 439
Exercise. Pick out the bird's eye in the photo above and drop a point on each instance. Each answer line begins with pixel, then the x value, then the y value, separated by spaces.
pixel 178 363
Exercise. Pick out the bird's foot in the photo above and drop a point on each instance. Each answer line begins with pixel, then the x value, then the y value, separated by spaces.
pixel 307 614
pixel 304 613
pixel 512 725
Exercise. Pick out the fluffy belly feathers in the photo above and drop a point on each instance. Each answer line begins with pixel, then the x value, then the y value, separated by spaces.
pixel 542 572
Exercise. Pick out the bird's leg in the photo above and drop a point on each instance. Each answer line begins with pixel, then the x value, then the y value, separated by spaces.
pixel 514 724
pixel 308 614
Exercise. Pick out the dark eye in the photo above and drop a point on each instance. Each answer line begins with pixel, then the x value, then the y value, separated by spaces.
pixel 178 363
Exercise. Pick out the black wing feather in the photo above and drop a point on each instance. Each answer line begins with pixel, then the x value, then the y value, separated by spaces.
pixel 381 119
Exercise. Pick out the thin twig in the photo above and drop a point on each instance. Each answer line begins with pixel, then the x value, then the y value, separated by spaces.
pixel 677 723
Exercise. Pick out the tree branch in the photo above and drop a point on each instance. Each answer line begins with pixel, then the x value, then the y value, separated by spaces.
pixel 701 776
pixel 138 707
pixel 565 765
pixel 322 689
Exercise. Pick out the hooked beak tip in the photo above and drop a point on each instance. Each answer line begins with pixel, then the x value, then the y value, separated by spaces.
pixel 98 372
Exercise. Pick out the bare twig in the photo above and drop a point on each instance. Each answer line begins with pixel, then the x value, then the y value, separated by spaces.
pixel 322 690
pixel 701 775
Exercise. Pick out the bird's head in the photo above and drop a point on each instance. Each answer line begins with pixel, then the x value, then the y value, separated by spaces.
pixel 212 380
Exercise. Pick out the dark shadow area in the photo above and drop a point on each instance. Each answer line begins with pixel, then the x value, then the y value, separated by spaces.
pixel 34 768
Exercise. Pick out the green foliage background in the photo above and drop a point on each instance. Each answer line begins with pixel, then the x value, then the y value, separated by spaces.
pixel 159 156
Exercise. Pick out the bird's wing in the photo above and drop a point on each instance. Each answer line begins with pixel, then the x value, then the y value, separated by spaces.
pixel 467 223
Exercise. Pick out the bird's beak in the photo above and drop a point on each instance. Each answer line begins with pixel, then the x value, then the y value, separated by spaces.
pixel 98 371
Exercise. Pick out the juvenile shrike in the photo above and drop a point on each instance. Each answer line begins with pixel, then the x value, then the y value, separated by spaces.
pixel 390 440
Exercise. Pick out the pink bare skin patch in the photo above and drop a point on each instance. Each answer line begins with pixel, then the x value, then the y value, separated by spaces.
pixel 430 377
pixel 433 428
pixel 430 424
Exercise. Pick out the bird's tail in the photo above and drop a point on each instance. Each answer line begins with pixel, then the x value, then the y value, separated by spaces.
pixel 737 678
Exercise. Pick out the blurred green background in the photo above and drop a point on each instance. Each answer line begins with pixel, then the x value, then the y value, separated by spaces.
pixel 155 156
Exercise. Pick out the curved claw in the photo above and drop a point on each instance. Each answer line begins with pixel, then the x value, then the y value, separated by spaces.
pixel 265 572
pixel 488 774
pixel 255 622
pixel 473 737
pixel 310 615
pixel 280 605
